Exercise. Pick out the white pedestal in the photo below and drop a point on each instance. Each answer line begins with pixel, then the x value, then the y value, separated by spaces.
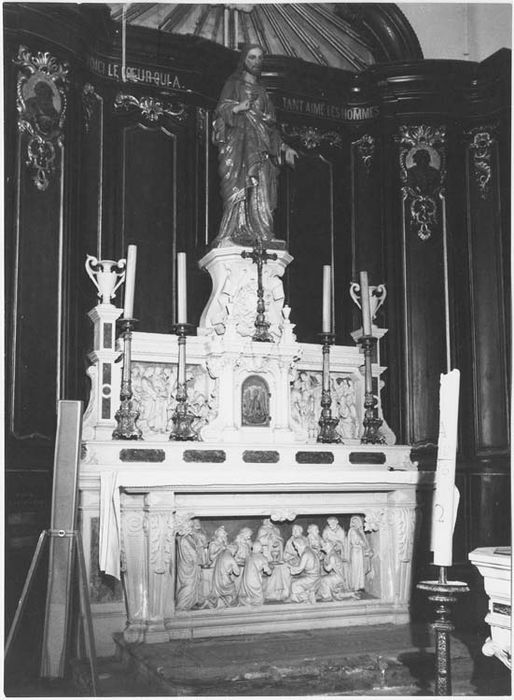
pixel 495 567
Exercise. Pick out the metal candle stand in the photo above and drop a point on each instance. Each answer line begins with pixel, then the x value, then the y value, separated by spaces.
pixel 371 422
pixel 259 256
pixel 444 594
pixel 126 416
pixel 182 418
pixel 327 424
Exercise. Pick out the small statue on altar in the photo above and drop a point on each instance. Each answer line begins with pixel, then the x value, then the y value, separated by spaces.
pixel 271 539
pixel 217 544
pixel 291 555
pixel 333 532
pixel 224 590
pixel 335 584
pixel 306 576
pixel 243 541
pixel 251 590
pixel 250 147
pixel 360 554
pixel 188 568
pixel 314 539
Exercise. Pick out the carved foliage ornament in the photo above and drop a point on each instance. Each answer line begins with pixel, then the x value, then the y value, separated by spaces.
pixel 311 137
pixel 482 142
pixel 366 150
pixel 89 101
pixel 152 109
pixel 423 172
pixel 41 103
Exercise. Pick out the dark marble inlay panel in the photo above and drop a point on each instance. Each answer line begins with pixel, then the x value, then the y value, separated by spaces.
pixel 261 456
pixel 216 456
pixel 142 455
pixel 315 457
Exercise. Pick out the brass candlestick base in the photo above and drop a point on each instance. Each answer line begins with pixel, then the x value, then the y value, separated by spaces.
pixel 444 594
pixel 126 416
pixel 371 421
pixel 182 418
pixel 259 256
pixel 327 424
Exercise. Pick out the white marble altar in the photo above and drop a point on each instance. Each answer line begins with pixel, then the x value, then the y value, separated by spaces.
pixel 256 407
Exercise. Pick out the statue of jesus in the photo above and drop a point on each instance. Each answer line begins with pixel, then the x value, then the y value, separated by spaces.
pixel 250 149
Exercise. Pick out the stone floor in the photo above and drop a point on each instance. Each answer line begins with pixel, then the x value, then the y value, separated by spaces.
pixel 376 660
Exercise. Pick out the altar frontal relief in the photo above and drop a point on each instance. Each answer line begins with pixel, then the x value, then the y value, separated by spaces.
pixel 252 562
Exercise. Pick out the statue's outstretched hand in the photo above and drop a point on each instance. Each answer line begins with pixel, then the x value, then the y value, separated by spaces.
pixel 290 154
pixel 243 106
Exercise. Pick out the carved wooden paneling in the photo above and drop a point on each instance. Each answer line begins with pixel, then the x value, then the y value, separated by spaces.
pixel 37 299
pixel 317 238
pixel 487 341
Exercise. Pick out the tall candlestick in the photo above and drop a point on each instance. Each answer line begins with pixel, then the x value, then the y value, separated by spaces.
pixel 130 282
pixel 365 303
pixel 446 496
pixel 327 294
pixel 181 288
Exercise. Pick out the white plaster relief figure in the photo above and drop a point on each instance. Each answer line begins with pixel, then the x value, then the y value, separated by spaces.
pixel 333 532
pixel 218 544
pixel 360 554
pixel 306 576
pixel 243 541
pixel 188 569
pixel 201 541
pixel 291 555
pixel 271 539
pixel 345 398
pixel 314 539
pixel 224 590
pixel 303 402
pixel 251 590
pixel 335 584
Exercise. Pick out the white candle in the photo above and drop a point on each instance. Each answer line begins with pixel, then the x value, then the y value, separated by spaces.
pixel 181 288
pixel 130 282
pixel 446 495
pixel 327 294
pixel 365 304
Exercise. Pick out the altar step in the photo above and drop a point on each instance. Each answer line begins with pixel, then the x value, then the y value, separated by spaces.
pixel 371 660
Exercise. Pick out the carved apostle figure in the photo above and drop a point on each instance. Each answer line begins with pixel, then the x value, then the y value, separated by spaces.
pixel 224 590
pixel 250 148
pixel 188 569
pixel 251 589
pixel 314 539
pixel 291 555
pixel 243 541
pixel 271 539
pixel 201 541
pixel 305 576
pixel 333 532
pixel 360 554
pixel 217 544
pixel 335 584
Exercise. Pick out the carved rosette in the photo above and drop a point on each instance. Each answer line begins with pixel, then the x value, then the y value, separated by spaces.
pixel 41 102
pixel 481 142
pixel 365 148
pixel 151 109
pixel 423 174
pixel 311 137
